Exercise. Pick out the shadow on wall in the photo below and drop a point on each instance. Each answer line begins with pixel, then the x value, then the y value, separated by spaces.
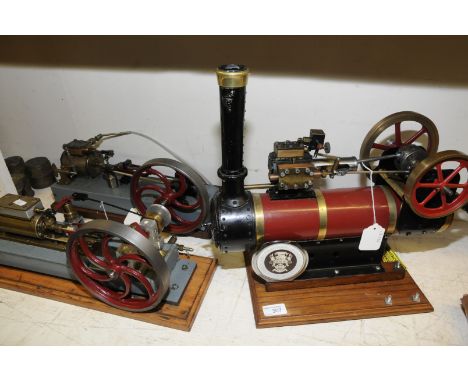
pixel 410 59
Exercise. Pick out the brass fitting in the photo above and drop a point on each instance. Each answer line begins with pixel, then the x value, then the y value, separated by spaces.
pixel 232 76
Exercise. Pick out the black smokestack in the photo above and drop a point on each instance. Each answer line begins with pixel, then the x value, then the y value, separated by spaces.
pixel 232 210
pixel 232 80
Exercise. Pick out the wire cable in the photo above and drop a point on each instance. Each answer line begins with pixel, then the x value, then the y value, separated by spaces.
pixel 164 147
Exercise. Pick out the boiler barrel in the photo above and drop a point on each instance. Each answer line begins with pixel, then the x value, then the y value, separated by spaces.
pixel 332 214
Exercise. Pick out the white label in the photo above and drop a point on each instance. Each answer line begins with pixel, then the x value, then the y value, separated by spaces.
pixel 371 238
pixel 274 310
pixel 132 218
pixel 20 202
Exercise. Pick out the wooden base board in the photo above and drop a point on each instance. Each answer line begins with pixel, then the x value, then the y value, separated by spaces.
pixel 179 316
pixel 337 302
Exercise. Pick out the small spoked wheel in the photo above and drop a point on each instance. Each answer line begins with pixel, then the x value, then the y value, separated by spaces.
pixel 176 186
pixel 438 185
pixel 118 265
pixel 397 130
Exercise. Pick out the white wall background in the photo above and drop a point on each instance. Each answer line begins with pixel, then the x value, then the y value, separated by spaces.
pixel 42 108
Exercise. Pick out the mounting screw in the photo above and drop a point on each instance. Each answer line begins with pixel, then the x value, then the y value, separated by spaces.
pixel 337 272
pixel 377 268
pixel 416 297
pixel 286 171
pixel 306 185
pixel 174 286
pixel 184 267
pixel 298 170
pixel 307 170
pixel 388 300
pixel 282 173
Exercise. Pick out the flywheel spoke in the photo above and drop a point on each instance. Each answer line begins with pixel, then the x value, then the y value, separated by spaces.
pixel 429 197
pixel 105 250
pixel 453 174
pixel 415 136
pixel 132 257
pixel 166 182
pixel 398 134
pixel 380 146
pixel 440 174
pixel 187 207
pixel 90 255
pixel 427 185
pixel 95 276
pixel 182 186
pixel 128 285
pixel 140 277
pixel 152 187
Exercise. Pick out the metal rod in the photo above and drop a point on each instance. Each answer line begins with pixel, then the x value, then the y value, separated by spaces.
pixel 379 172
pixel 257 186
pixel 373 159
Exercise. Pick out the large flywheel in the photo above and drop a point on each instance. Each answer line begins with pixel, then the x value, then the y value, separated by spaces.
pixel 118 265
pixel 397 130
pixel 176 186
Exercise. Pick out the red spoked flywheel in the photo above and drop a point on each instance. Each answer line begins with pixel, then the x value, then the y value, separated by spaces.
pixel 118 265
pixel 176 186
pixel 438 185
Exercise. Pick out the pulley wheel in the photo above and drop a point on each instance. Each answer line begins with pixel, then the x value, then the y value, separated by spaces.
pixel 280 262
pixel 438 185
pixel 405 128
pixel 176 186
pixel 118 265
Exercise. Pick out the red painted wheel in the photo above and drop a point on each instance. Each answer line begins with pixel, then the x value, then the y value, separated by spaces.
pixel 438 185
pixel 176 186
pixel 405 128
pixel 118 265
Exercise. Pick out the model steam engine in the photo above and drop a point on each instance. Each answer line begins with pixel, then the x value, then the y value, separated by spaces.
pixel 297 230
pixel 293 231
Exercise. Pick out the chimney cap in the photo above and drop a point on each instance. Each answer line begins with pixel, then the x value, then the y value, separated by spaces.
pixel 232 75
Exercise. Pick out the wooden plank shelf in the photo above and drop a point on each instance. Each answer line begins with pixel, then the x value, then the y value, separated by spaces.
pixel 181 316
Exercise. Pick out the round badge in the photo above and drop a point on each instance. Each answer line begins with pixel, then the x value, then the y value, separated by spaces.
pixel 280 262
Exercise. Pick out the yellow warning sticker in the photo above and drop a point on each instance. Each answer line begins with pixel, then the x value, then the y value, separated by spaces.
pixel 391 257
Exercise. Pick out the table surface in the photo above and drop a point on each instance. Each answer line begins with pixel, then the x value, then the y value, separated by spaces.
pixel 437 262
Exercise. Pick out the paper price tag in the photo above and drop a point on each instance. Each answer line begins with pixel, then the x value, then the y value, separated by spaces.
pixel 131 217
pixel 20 202
pixel 274 310
pixel 371 238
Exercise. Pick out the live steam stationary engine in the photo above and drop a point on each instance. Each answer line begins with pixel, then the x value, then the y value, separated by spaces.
pixel 297 230
pixel 293 231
